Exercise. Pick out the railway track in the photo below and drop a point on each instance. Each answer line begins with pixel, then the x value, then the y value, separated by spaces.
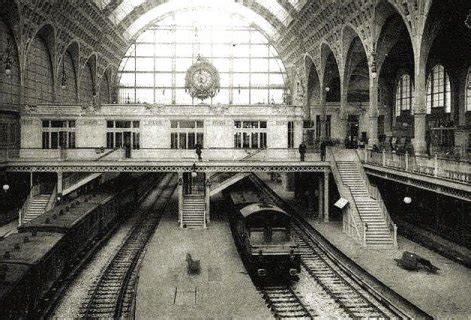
pixel 351 293
pixel 112 294
pixel 284 302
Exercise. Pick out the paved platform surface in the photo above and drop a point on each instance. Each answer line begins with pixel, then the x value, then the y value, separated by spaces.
pixel 446 294
pixel 222 290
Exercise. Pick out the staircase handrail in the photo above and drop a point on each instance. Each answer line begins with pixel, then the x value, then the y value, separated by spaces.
pixel 353 210
pixel 32 192
pixel 52 199
pixel 373 192
pixel 253 154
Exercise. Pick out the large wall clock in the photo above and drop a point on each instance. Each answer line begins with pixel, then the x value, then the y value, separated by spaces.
pixel 202 79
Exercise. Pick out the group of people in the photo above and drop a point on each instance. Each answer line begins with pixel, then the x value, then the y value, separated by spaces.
pixel 303 148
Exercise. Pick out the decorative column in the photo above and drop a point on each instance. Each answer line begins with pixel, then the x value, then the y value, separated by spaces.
pixel 373 112
pixel 420 111
pixel 207 198
pixel 323 116
pixel 59 184
pixel 326 196
pixel 180 199
pixel 342 121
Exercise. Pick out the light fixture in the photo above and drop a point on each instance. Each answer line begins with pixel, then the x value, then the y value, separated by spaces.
pixel 6 187
pixel 407 200
pixel 467 21
pixel 327 89
pixel 7 57
pixel 193 171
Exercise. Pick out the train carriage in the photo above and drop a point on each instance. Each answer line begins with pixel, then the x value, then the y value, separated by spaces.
pixel 30 263
pixel 263 232
pixel 79 221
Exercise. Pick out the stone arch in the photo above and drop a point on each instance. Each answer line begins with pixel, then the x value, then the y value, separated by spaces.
pixel 105 86
pixel 313 82
pixel 88 79
pixel 330 77
pixel 356 69
pixel 40 67
pixel 69 61
pixel 10 85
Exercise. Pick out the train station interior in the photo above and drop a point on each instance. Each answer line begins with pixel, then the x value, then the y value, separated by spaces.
pixel 195 151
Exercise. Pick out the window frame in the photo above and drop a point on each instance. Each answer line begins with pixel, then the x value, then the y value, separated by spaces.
pixel 434 87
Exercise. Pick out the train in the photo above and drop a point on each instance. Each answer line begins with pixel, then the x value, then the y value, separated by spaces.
pixel 51 245
pixel 262 232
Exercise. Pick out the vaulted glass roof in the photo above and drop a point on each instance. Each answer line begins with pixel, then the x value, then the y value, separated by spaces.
pixel 269 15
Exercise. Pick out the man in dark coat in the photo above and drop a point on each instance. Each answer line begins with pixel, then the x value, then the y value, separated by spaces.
pixel 302 150
pixel 198 149
pixel 323 149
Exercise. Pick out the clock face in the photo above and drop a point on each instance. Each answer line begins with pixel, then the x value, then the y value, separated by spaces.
pixel 202 80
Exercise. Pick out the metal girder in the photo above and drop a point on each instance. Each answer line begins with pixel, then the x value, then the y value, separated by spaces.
pixel 156 166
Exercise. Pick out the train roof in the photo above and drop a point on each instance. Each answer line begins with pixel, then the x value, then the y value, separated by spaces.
pixel 26 248
pixel 243 197
pixel 60 218
pixel 100 197
pixel 258 208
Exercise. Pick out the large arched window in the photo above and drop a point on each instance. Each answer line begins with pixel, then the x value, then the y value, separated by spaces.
pixel 155 66
pixel 438 89
pixel 468 91
pixel 404 94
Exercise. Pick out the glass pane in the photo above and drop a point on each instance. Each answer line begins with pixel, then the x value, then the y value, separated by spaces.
pixel 145 95
pixel 241 96
pixel 163 96
pixel 127 80
pixel 164 50
pixel 163 80
pixel 143 64
pixel 259 96
pixel 145 79
pixel 145 50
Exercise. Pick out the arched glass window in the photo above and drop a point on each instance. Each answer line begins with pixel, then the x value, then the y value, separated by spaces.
pixel 155 66
pixel 404 94
pixel 468 91
pixel 438 89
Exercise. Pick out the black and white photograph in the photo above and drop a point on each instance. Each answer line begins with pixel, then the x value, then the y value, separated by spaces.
pixel 235 159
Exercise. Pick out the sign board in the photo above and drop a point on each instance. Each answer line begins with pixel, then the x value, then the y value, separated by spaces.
pixel 341 203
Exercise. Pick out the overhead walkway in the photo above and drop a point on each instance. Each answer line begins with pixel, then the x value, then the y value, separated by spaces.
pixel 365 217
pixel 76 180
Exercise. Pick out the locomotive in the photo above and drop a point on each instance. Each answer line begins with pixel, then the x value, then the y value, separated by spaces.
pixel 50 245
pixel 263 233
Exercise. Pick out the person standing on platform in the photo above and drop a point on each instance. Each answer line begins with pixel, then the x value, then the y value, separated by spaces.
pixel 302 151
pixel 323 149
pixel 198 149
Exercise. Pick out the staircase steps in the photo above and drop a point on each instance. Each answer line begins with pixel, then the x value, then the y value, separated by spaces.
pixel 378 234
pixel 193 211
pixel 36 207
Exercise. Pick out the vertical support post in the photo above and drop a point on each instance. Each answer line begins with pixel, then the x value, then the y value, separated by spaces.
pixel 384 158
pixel 180 199
pixel 59 183
pixel 326 196
pixel 321 196
pixel 407 161
pixel 31 179
pixel 435 162
pixel 207 185
pixel 366 155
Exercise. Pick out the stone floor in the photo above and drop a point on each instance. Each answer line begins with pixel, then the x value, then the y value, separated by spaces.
pixel 446 294
pixel 222 290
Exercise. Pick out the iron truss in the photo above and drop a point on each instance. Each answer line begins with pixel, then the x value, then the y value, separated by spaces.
pixel 448 188
pixel 145 166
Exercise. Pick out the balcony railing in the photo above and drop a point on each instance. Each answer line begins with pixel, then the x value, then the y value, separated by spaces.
pixel 449 169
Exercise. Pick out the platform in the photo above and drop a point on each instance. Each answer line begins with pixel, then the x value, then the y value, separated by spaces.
pixel 222 290
pixel 442 295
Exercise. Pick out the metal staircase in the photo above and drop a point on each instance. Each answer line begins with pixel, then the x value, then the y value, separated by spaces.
pixel 194 211
pixel 376 229
pixel 40 199
pixel 223 180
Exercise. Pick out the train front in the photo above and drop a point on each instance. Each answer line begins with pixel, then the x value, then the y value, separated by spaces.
pixel 271 248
